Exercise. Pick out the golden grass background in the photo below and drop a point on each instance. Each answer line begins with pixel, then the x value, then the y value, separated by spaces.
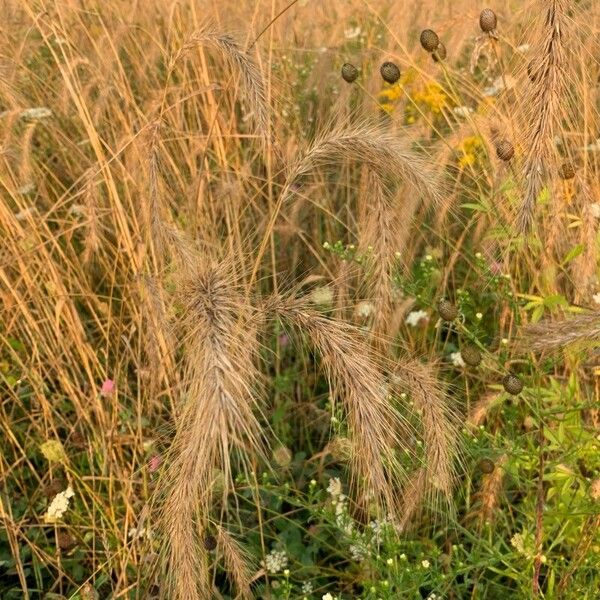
pixel 176 196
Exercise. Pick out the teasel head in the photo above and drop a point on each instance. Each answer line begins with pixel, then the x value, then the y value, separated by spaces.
pixel 349 72
pixel 429 40
pixel 512 384
pixel 390 72
pixel 486 465
pixel 439 53
pixel 488 20
pixel 505 150
pixel 209 543
pixel 471 355
pixel 447 310
pixel 566 171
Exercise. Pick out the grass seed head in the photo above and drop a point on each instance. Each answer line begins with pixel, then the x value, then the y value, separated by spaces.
pixel 429 40
pixel 349 72
pixel 471 355
pixel 488 20
pixel 505 150
pixel 512 384
pixel 447 310
pixel 390 72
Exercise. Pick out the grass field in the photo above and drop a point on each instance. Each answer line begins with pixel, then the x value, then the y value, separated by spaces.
pixel 299 299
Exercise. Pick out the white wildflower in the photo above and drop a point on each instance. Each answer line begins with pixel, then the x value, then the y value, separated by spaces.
pixel 352 33
pixel 462 111
pixel 359 552
pixel 595 147
pixel 415 317
pixel 59 505
pixel 40 112
pixel 499 85
pixel 335 487
pixel 276 561
pixel 425 563
pixel 327 596
pixel 26 212
pixel 457 359
pixel 365 309
pixel 307 587
pixel 139 533
pixel 26 189
pixel 322 296
pixel 595 210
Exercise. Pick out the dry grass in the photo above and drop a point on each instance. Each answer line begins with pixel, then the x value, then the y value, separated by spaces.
pixel 159 143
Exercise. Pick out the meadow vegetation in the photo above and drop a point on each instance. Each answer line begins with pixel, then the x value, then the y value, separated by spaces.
pixel 299 299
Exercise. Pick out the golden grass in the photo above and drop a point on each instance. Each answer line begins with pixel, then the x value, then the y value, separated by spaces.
pixel 149 221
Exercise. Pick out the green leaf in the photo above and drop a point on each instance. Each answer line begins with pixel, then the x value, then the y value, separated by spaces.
pixel 574 252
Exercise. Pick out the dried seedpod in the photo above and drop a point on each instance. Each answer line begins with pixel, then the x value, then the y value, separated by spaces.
pixel 390 72
pixel 505 150
pixel 429 40
pixel 349 72
pixel 488 20
pixel 566 171
pixel 471 355
pixel 447 310
pixel 439 53
pixel 210 543
pixel 486 465
pixel 512 384
pixel 65 541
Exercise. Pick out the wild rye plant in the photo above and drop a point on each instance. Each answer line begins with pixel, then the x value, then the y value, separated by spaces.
pixel 171 230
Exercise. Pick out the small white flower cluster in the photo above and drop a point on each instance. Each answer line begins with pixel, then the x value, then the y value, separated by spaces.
pixel 335 487
pixel 276 561
pixel 328 596
pixel 365 309
pixel 39 112
pixel 359 551
pixel 415 317
pixel 457 359
pixel 59 505
pixel 139 533
pixel 307 587
pixel 378 526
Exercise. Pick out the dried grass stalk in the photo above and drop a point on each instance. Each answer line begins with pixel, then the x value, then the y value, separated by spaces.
pixel 375 428
pixel 544 108
pixel 377 239
pixel 386 154
pixel 550 336
pixel 236 561
pixel 252 82
pixel 439 425
pixel 218 417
